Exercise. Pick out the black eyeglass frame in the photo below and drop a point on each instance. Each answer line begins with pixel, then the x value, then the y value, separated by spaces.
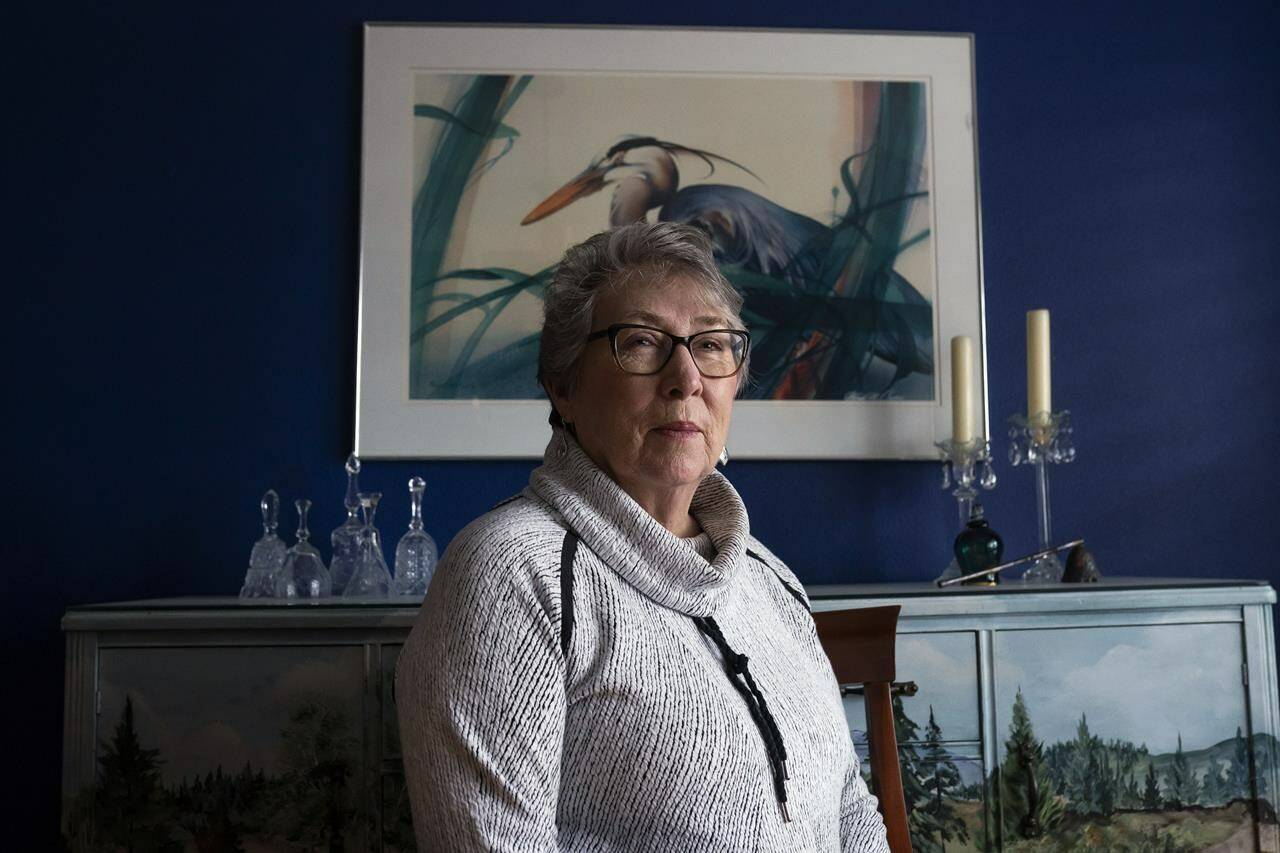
pixel 687 342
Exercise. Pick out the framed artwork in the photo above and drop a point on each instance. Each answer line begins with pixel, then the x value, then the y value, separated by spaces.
pixel 835 173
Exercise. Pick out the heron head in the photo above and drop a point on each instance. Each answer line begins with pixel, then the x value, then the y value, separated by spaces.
pixel 634 160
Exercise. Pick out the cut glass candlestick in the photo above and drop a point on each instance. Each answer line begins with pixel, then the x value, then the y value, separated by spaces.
pixel 1042 440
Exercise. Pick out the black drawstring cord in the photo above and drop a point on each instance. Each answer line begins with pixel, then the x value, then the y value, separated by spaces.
pixel 764 709
pixel 736 664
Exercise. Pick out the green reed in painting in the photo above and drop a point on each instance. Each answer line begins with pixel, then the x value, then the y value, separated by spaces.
pixel 831 313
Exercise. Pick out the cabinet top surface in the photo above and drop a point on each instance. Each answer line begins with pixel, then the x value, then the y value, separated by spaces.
pixel 915 598
pixel 817 592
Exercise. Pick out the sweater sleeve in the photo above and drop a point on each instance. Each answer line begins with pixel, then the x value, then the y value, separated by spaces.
pixel 861 825
pixel 481 702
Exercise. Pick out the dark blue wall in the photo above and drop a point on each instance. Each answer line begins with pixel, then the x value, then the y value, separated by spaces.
pixel 182 190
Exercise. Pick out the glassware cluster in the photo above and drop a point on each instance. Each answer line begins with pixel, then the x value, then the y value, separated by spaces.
pixel 358 569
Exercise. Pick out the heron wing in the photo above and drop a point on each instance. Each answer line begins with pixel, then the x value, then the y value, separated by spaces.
pixel 749 231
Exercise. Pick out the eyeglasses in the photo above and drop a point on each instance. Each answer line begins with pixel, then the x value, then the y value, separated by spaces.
pixel 644 350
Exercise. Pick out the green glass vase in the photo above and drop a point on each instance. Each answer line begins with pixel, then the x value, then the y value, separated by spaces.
pixel 979 547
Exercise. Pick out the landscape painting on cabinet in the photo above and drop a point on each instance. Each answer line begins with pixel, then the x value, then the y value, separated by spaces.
pixel 939 741
pixel 815 193
pixel 235 749
pixel 1107 743
pixel 1100 744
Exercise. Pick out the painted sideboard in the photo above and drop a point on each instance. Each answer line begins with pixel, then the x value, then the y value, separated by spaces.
pixel 1137 714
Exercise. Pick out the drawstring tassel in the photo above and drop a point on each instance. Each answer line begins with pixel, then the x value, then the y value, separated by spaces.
pixel 735 665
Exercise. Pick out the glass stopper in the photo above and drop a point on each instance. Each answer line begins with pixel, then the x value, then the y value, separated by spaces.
pixel 270 511
pixel 352 499
pixel 416 487
pixel 369 505
pixel 303 506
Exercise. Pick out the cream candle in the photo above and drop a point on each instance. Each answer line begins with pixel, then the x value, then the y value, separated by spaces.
pixel 961 389
pixel 1039 395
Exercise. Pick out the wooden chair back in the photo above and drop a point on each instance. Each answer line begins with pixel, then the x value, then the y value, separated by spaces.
pixel 860 644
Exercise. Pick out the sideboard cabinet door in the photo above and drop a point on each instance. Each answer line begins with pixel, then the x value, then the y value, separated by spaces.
pixel 226 748
pixel 1131 737
pixel 939 740
pixel 397 822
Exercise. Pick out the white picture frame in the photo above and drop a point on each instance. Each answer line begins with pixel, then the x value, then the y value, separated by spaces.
pixel 391 425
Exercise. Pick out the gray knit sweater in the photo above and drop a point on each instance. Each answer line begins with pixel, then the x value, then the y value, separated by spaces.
pixel 638 737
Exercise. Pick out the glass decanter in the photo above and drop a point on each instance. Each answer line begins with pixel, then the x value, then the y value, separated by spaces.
pixel 416 554
pixel 372 578
pixel 303 574
pixel 267 555
pixel 346 537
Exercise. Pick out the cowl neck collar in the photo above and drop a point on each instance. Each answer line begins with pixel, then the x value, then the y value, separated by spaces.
pixel 616 529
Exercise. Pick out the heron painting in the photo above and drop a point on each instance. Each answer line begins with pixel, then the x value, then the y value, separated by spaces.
pixel 816 195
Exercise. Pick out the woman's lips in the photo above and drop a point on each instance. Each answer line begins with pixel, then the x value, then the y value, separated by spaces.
pixel 679 430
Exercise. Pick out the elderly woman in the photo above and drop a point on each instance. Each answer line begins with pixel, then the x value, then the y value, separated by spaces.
pixel 610 661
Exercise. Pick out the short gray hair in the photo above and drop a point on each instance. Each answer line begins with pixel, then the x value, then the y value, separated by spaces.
pixel 612 258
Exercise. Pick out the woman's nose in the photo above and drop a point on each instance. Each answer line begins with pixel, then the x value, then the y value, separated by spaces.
pixel 681 377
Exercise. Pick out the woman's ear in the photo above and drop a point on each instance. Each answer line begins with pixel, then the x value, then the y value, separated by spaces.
pixel 562 403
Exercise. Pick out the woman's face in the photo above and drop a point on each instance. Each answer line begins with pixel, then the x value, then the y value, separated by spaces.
pixel 652 434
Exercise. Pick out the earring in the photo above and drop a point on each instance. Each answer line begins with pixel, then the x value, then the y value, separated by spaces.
pixel 724 456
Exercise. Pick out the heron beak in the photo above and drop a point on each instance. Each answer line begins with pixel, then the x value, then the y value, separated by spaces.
pixel 590 181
